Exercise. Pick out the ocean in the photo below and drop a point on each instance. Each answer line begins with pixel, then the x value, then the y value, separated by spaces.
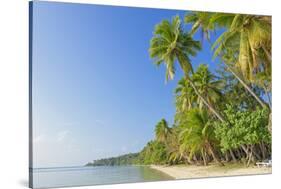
pixel 83 176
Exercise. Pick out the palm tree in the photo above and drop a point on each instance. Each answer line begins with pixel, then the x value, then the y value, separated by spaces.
pixel 200 22
pixel 170 44
pixel 197 135
pixel 174 154
pixel 185 96
pixel 246 42
pixel 250 37
pixel 162 131
pixel 208 85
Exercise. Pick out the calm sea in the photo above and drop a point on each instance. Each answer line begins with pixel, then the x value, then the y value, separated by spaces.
pixel 81 176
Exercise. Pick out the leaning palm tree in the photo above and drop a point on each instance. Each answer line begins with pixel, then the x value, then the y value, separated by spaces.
pixel 246 42
pixel 162 131
pixel 170 44
pixel 250 37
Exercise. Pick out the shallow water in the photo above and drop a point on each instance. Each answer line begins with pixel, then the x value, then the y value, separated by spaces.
pixel 81 176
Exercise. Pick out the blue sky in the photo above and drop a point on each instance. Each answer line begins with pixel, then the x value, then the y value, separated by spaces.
pixel 96 92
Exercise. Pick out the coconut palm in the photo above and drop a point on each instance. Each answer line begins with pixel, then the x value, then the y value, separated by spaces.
pixel 162 131
pixel 185 96
pixel 174 154
pixel 246 42
pixel 170 44
pixel 200 22
pixel 208 85
pixel 249 37
pixel 197 135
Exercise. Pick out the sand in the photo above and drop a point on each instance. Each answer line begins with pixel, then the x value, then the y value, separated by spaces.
pixel 193 171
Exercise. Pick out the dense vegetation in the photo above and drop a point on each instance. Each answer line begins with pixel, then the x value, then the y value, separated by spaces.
pixel 126 159
pixel 220 116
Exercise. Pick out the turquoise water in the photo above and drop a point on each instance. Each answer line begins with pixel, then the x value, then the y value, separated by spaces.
pixel 81 176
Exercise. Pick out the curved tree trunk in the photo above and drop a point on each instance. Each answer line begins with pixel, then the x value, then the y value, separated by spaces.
pixel 204 157
pixel 214 155
pixel 268 54
pixel 246 86
pixel 211 108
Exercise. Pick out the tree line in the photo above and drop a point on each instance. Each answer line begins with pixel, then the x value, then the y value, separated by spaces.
pixel 223 115
pixel 220 116
pixel 127 159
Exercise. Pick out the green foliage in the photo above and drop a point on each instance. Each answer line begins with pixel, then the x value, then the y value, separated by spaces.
pixel 185 96
pixel 197 133
pixel 127 159
pixel 153 153
pixel 171 44
pixel 244 127
pixel 245 42
pixel 162 131
pixel 213 113
pixel 208 85
pixel 201 21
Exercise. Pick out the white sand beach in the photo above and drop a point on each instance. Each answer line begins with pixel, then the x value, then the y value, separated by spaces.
pixel 212 170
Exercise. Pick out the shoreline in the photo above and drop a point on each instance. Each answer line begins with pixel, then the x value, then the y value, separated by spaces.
pixel 212 170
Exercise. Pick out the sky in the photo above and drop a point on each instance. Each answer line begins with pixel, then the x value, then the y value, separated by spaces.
pixel 96 92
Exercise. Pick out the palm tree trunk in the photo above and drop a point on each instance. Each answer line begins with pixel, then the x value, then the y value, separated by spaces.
pixel 204 157
pixel 246 87
pixel 214 155
pixel 211 108
pixel 267 53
